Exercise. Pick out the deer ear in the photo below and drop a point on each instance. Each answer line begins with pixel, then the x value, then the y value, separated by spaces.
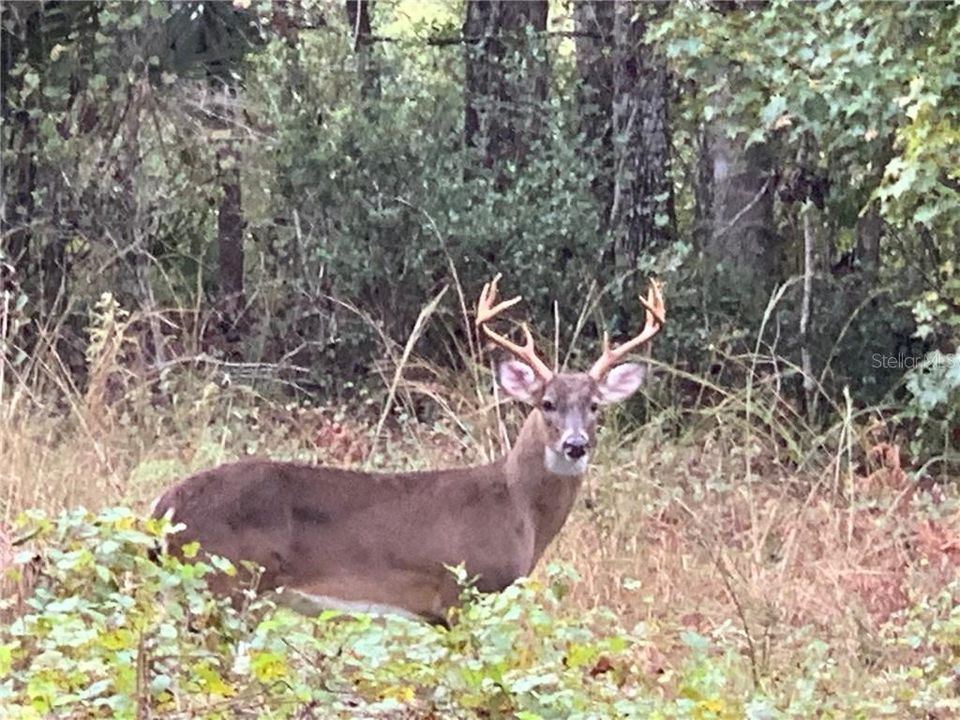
pixel 622 382
pixel 518 380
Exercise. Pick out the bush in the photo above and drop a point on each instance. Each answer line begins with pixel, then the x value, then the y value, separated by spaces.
pixel 112 632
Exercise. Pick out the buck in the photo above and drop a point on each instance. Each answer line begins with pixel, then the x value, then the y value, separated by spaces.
pixel 330 538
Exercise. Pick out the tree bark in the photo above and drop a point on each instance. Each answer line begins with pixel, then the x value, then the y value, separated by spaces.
pixel 216 39
pixel 22 35
pixel 358 16
pixel 624 115
pixel 593 23
pixel 16 219
pixel 869 232
pixel 809 243
pixel 735 195
pixel 506 79
pixel 741 247
pixel 230 225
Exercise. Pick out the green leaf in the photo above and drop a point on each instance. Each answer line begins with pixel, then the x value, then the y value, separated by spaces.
pixel 771 112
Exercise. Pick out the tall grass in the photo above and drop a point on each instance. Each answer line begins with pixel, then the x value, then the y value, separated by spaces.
pixel 733 513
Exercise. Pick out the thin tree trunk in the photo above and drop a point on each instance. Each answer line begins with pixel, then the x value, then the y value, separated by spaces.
pixel 740 246
pixel 506 79
pixel 358 16
pixel 23 33
pixel 24 171
pixel 809 244
pixel 869 231
pixel 703 189
pixel 642 203
pixel 593 22
pixel 230 223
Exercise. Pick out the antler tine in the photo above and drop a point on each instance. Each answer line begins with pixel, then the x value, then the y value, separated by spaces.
pixel 488 308
pixel 653 323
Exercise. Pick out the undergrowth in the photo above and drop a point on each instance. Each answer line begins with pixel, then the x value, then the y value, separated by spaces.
pixel 730 557
pixel 112 632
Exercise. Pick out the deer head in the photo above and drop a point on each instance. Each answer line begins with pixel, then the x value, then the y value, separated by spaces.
pixel 566 405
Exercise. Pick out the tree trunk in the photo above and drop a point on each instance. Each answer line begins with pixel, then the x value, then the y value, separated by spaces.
pixel 22 33
pixel 642 210
pixel 358 16
pixel 869 231
pixel 230 225
pixel 735 197
pixel 809 259
pixel 16 219
pixel 741 247
pixel 593 22
pixel 506 79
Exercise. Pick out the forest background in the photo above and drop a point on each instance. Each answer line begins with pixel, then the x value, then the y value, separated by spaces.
pixel 258 227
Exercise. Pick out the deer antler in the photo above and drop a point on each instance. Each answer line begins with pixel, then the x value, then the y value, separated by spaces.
pixel 487 310
pixel 656 312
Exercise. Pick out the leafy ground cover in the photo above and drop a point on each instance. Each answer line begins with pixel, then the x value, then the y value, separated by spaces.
pixel 111 633
pixel 744 567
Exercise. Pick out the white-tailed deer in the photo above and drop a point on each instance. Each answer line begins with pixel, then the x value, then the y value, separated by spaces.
pixel 379 542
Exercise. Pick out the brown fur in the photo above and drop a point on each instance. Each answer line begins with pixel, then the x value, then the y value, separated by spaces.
pixel 385 537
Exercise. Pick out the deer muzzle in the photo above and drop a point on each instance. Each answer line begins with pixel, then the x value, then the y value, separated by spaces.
pixel 576 446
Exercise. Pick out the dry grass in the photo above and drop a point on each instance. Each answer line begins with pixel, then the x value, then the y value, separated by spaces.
pixel 751 521
pixel 674 531
pixel 678 540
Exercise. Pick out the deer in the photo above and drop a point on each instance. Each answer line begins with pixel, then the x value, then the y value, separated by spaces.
pixel 328 538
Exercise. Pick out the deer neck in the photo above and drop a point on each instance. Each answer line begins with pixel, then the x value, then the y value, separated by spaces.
pixel 546 497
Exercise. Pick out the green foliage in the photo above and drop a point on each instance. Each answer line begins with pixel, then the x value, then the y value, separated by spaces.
pixel 384 187
pixel 867 95
pixel 111 631
pixel 361 199
pixel 931 638
pixel 934 387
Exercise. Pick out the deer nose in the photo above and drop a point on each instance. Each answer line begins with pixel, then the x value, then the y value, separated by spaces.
pixel 575 447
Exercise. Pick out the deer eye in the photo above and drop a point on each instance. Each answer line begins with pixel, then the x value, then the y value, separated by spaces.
pixel 594 406
pixel 548 406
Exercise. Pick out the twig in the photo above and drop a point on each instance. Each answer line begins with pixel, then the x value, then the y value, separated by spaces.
pixel 745 209
pixel 615 204
pixel 206 359
pixel 4 319
pixel 808 261
pixel 443 41
pixel 418 326
pixel 751 648
pixel 775 298
pixel 356 24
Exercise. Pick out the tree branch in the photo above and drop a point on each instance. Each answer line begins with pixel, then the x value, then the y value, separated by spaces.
pixel 442 41
pixel 745 209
